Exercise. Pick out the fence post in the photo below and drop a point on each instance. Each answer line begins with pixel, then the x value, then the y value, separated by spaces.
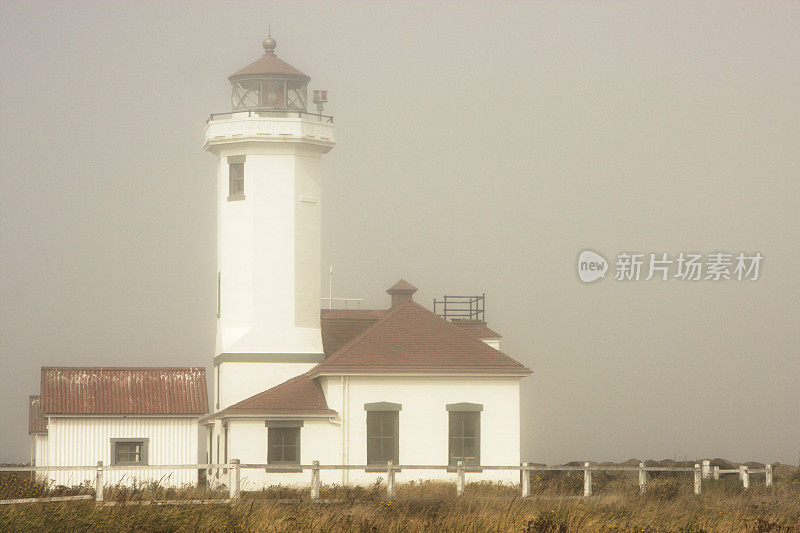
pixel 587 479
pixel 716 473
pixel 768 475
pixel 98 483
pixel 315 480
pixel 642 479
pixel 460 480
pixel 390 480
pixel 234 479
pixel 706 468
pixel 745 475
pixel 698 478
pixel 526 480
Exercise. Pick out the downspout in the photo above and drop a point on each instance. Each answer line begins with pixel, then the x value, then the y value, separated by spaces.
pixel 344 410
pixel 347 433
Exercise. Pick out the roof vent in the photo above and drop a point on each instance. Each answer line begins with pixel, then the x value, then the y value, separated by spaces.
pixel 402 291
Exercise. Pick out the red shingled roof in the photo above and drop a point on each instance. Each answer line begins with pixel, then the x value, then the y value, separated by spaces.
pixel 133 391
pixel 411 339
pixel 36 422
pixel 478 328
pixel 269 64
pixel 340 326
pixel 297 396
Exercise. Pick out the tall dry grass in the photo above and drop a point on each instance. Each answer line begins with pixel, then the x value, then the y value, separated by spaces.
pixel 556 506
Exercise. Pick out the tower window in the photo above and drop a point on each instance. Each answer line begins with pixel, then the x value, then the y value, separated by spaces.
pixel 236 178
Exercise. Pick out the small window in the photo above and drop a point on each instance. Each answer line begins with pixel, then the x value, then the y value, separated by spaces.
pixel 129 451
pixel 283 445
pixel 236 178
pixel 465 437
pixel 383 440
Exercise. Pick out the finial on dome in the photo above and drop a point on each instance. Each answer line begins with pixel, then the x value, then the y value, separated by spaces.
pixel 269 43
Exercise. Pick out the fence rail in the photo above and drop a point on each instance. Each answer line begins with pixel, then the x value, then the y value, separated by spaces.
pixel 234 467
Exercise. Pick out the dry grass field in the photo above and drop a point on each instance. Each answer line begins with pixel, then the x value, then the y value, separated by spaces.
pixel 668 506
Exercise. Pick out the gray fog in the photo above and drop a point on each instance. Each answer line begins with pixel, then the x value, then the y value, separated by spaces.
pixel 481 147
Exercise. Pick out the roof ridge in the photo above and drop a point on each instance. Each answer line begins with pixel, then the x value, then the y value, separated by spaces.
pixel 364 334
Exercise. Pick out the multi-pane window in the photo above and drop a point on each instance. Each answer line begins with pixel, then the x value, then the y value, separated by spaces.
pixel 283 445
pixel 465 437
pixel 235 180
pixel 382 437
pixel 129 451
pixel 269 94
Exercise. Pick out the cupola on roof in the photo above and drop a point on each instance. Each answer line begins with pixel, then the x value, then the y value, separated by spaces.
pixel 269 84
pixel 269 64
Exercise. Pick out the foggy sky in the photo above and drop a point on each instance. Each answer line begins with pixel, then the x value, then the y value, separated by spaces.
pixel 481 147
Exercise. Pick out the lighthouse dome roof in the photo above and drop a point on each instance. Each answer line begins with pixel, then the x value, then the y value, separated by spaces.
pixel 269 65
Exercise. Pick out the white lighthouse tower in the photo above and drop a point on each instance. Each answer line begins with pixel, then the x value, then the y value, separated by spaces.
pixel 268 151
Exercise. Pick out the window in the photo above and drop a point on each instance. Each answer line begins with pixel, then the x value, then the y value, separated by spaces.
pixel 465 433
pixel 236 177
pixel 129 451
pixel 382 437
pixel 283 445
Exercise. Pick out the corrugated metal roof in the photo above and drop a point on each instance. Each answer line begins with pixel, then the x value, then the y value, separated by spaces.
pixel 36 422
pixel 134 391
pixel 411 339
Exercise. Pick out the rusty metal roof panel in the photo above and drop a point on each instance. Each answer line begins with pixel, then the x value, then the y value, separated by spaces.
pixel 130 391
pixel 36 422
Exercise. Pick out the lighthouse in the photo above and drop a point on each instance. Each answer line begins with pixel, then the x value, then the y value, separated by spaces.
pixel 268 151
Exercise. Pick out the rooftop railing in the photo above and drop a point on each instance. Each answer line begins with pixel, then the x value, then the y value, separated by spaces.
pixel 274 113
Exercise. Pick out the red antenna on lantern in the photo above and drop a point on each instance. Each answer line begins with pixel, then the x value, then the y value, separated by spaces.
pixel 320 99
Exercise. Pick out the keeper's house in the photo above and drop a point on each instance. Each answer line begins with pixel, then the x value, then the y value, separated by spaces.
pixel 121 416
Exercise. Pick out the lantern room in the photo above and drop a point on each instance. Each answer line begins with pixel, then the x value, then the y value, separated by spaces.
pixel 269 84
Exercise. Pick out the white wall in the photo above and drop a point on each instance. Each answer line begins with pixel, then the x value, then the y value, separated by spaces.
pixel 39 453
pixel 247 441
pixel 79 441
pixel 269 243
pixel 424 421
pixel 243 380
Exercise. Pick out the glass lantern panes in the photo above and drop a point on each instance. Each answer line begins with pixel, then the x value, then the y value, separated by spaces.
pixel 296 95
pixel 269 94
pixel 246 94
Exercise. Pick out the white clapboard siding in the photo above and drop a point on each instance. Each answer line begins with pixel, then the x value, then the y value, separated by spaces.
pixel 40 452
pixel 79 441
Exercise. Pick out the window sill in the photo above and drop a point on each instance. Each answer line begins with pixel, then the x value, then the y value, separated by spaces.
pixel 236 197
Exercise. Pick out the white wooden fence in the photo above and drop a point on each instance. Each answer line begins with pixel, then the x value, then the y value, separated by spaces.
pixel 699 472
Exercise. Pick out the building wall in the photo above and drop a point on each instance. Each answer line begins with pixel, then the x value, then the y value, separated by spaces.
pixel 269 250
pixel 82 441
pixel 39 453
pixel 234 382
pixel 424 420
pixel 247 441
